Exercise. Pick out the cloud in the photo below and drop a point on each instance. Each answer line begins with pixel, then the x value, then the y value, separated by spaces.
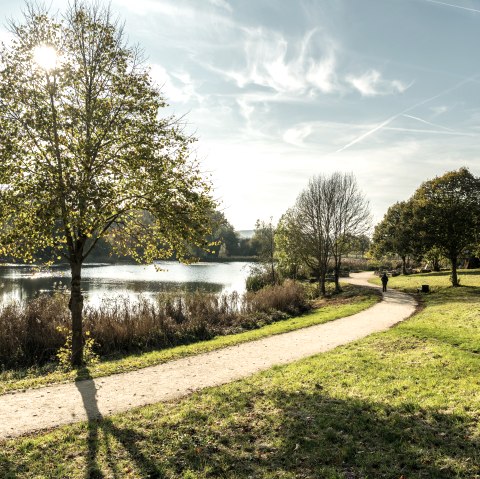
pixel 286 67
pixel 144 7
pixel 223 4
pixel 439 110
pixel 406 110
pixel 371 83
pixel 298 134
pixel 176 86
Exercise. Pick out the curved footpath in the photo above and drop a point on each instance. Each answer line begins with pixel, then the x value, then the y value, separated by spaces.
pixel 51 406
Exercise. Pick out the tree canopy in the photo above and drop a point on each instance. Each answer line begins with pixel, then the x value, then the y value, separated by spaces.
pixel 85 151
pixel 447 209
pixel 396 233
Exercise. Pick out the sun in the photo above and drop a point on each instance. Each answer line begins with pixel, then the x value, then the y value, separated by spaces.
pixel 45 57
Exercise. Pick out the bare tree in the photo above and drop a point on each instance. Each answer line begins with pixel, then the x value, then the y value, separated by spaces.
pixel 313 212
pixel 351 218
pixel 327 214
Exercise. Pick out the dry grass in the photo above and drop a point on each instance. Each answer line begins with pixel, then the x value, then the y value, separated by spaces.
pixel 29 333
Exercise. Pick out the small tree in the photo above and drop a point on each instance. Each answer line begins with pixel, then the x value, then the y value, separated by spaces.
pixel 84 151
pixel 288 245
pixel 447 210
pixel 264 239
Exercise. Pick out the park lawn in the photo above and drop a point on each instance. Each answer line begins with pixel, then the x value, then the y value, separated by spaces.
pixel 402 403
pixel 351 301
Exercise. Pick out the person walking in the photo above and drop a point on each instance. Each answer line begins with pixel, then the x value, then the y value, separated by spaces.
pixel 384 279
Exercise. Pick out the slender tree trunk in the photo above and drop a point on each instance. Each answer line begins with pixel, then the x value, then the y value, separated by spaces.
pixel 76 309
pixel 404 265
pixel 336 273
pixel 454 278
pixel 436 264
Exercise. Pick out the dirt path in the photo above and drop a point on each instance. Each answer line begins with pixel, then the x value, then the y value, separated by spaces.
pixel 51 406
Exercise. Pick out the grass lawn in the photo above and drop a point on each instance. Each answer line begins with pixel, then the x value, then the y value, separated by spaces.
pixel 403 403
pixel 351 301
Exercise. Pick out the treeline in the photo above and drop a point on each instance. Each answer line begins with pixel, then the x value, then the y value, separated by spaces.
pixel 439 223
pixel 223 243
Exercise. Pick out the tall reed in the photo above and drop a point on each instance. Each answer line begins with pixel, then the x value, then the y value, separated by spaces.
pixel 31 333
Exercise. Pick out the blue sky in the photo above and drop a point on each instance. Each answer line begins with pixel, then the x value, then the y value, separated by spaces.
pixel 280 90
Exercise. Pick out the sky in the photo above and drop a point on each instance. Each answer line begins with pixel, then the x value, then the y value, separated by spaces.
pixel 277 91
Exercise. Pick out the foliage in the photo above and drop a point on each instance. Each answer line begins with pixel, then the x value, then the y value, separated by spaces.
pixel 223 239
pixel 64 354
pixel 85 153
pixel 448 211
pixel 397 234
pixel 264 241
pixel 441 219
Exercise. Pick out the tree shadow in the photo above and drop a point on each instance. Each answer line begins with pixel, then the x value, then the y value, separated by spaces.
pixel 243 433
pixel 323 437
pixel 102 431
pixel 6 468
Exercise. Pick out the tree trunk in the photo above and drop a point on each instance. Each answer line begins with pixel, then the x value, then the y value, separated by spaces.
pixel 336 274
pixel 404 265
pixel 436 264
pixel 321 284
pixel 454 277
pixel 76 309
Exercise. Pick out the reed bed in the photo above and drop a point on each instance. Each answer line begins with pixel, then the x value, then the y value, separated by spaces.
pixel 32 333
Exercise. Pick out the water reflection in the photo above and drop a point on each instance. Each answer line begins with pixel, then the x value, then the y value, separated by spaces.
pixel 20 283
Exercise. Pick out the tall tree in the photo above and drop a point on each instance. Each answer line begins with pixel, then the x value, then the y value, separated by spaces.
pixel 311 222
pixel 351 218
pixel 397 233
pixel 447 210
pixel 84 150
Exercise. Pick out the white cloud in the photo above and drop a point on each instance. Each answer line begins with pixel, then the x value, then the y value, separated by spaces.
pixel 176 86
pixel 285 66
pixel 298 134
pixel 371 83
pixel 439 110
pixel 145 7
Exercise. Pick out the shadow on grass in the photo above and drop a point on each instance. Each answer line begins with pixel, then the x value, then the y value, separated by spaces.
pixel 322 437
pixel 102 431
pixel 6 468
pixel 254 434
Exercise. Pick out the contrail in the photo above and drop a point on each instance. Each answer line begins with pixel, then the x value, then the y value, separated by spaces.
pixel 410 108
pixel 430 123
pixel 454 6
pixel 438 132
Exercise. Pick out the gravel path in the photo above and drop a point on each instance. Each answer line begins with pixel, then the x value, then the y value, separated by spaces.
pixel 35 409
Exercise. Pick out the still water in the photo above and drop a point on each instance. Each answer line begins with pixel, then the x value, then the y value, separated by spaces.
pixel 101 281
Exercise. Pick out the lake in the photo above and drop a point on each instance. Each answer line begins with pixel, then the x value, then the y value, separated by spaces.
pixel 19 282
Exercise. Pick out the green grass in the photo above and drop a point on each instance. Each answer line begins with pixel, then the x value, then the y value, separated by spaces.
pixel 405 402
pixel 352 301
